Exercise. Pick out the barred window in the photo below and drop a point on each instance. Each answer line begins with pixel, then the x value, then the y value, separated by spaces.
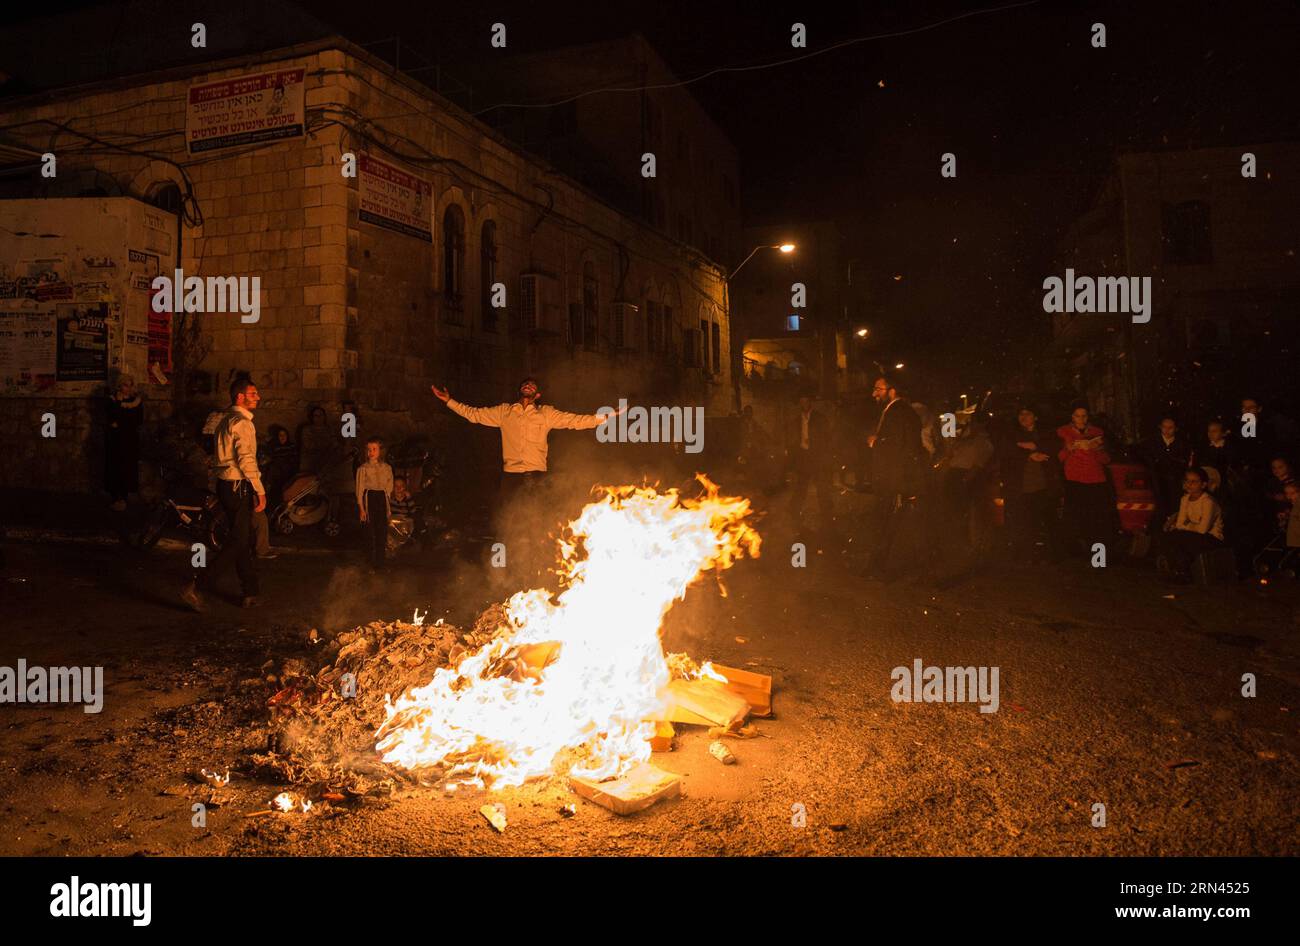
pixel 453 257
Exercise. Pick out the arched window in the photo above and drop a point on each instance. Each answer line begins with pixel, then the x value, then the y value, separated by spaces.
pixel 453 260
pixel 487 256
pixel 590 306
pixel 166 197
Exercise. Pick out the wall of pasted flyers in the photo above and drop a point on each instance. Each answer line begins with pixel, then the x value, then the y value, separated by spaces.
pixel 75 280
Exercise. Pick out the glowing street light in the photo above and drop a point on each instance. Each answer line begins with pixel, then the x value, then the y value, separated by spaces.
pixel 783 247
pixel 862 333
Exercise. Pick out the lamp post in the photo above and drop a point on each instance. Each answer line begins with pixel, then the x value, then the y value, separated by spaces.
pixel 736 352
pixel 783 247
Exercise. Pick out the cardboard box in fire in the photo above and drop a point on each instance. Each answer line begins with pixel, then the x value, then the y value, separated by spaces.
pixel 702 702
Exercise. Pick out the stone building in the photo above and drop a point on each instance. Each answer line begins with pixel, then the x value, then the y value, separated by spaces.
pixel 373 284
pixel 601 137
pixel 1220 249
pixel 813 346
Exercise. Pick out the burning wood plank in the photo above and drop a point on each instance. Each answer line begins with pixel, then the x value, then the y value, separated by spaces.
pixel 640 788
pixel 704 703
pixel 662 740
pixel 754 688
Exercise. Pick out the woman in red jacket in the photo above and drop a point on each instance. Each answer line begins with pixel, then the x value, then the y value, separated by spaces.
pixel 1087 493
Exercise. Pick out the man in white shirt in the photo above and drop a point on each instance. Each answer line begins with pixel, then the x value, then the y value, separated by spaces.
pixel 240 492
pixel 524 424
pixel 1197 527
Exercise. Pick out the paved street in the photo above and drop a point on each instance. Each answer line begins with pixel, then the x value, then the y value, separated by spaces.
pixel 1114 689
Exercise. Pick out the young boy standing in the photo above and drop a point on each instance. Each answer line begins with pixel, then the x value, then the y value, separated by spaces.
pixel 374 489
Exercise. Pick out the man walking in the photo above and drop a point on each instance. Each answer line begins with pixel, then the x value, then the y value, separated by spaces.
pixel 240 492
pixel 809 452
pixel 895 469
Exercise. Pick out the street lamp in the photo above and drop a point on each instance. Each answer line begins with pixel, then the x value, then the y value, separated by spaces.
pixel 899 365
pixel 726 302
pixel 783 247
pixel 862 333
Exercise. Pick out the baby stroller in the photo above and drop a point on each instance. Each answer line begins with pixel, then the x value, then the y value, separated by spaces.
pixel 1275 558
pixel 401 533
pixel 305 504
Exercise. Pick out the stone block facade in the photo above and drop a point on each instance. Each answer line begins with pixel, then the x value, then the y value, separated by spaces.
pixel 353 312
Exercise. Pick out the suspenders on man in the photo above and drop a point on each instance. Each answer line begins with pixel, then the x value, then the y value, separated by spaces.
pixel 240 492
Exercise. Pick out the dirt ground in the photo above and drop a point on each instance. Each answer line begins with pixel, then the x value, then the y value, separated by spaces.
pixel 1115 689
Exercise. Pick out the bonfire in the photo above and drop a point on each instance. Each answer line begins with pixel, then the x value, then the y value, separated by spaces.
pixel 600 678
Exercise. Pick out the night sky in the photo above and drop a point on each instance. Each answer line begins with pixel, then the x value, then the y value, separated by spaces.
pixel 1033 112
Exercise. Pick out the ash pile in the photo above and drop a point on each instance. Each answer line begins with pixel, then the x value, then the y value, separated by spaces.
pixel 323 720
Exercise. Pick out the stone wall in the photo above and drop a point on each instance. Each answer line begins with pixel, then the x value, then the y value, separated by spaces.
pixel 352 312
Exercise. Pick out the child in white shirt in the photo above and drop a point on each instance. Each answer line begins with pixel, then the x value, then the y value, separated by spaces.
pixel 374 490
pixel 1197 527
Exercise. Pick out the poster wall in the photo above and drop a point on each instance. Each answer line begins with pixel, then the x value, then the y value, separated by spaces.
pixel 393 199
pixel 27 348
pixel 245 110
pixel 82 342
pixel 160 337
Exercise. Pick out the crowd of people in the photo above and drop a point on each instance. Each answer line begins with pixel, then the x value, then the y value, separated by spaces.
pixel 937 485
pixel 937 479
pixel 248 477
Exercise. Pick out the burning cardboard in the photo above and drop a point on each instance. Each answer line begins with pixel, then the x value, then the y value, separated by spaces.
pixel 546 684
pixel 635 790
pixel 624 561
pixel 704 702
pixel 662 740
pixel 754 688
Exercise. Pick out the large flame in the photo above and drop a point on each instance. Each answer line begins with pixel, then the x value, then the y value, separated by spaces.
pixel 624 561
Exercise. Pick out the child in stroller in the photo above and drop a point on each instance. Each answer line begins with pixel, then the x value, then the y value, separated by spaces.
pixel 405 524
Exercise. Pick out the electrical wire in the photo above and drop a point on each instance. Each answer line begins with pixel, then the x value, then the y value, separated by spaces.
pixel 765 65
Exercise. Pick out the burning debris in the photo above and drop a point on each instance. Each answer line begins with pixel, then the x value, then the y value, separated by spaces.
pixel 324 723
pixel 573 684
